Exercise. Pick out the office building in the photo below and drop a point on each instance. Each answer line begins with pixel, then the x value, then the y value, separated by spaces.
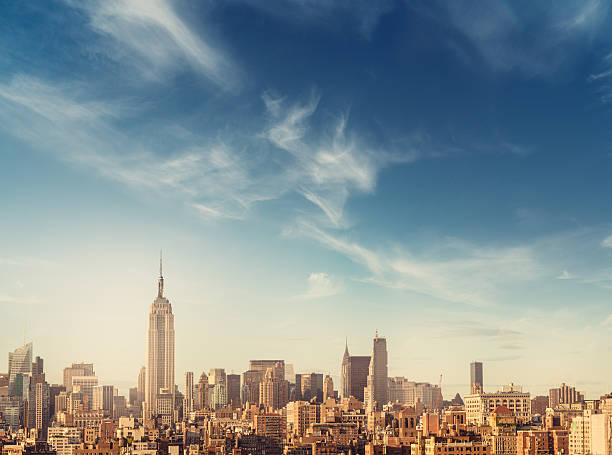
pixel 410 393
pixel 564 394
pixel 188 402
pixel 354 375
pixel 141 384
pixel 476 380
pixel 203 392
pixel 478 406
pixel 328 388
pixel 103 399
pixel 376 394
pixel 160 352
pixel 76 369
pixel 274 389
pixel 85 385
pixel 20 365
pixel 233 390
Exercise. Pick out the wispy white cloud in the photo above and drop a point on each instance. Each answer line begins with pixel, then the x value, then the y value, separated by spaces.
pixel 83 133
pixel 218 180
pixel 532 38
pixel 469 275
pixel 565 275
pixel 327 167
pixel 150 35
pixel 607 242
pixel 291 154
pixel 19 299
pixel 607 321
pixel 601 79
pixel 320 285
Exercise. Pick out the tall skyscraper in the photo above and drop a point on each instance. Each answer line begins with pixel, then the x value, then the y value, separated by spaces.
pixel 41 408
pixel 345 372
pixel 20 365
pixel 160 350
pixel 328 388
pixel 188 405
pixel 354 375
pixel 274 389
pixel 142 385
pixel 476 384
pixel 203 388
pixel 38 371
pixel 233 389
pixel 377 390
pixel 102 399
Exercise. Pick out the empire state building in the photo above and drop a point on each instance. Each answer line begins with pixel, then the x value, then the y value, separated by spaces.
pixel 159 388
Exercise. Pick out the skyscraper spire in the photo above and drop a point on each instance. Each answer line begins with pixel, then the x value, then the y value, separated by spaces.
pixel 160 284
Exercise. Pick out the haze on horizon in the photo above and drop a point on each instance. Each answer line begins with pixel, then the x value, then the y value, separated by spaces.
pixel 436 171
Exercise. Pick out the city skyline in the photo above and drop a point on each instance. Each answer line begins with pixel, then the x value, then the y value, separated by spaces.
pixel 438 173
pixel 168 369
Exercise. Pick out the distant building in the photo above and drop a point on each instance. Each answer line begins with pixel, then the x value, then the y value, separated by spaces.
pixel 38 371
pixel 476 379
pixel 165 406
pixel 310 386
pixel 218 396
pixel 301 415
pixel 85 385
pixel 274 389
pixel 217 376
pixel 271 425
pixel 376 394
pixel 354 375
pixel 41 409
pixel 564 394
pixel 20 365
pixel 160 354
pixel 233 390
pixel 188 402
pixel 478 406
pixel 444 447
pixel 142 384
pixel 263 365
pixel 328 388
pixel 539 405
pixel 203 396
pixel 77 369
pixel 103 399
pixel 250 385
pixel 533 442
pixel 410 393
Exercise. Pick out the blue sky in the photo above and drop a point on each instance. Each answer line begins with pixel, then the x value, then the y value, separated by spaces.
pixel 313 170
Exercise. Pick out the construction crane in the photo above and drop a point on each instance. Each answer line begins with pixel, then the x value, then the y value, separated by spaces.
pixel 439 394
